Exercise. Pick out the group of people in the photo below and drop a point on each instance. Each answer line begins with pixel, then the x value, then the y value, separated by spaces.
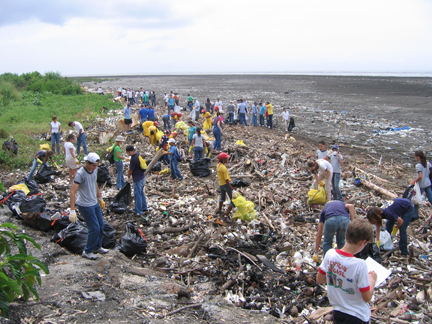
pixel 140 96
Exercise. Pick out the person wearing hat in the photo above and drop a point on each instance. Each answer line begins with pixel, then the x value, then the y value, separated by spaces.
pixel 146 127
pixel 224 183
pixel 118 161
pixel 173 156
pixel 255 114
pixel 138 178
pixel 336 160
pixel 217 132
pixel 207 119
pixel 195 110
pixel 86 196
pixel 231 111
pixel 152 133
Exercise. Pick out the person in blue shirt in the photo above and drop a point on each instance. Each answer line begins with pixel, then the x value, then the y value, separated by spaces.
pixel 143 112
pixel 255 114
pixel 138 178
pixel 262 113
pixel 242 111
pixel 127 116
pixel 192 130
pixel 166 121
pixel 151 114
pixel 171 103
pixel 173 153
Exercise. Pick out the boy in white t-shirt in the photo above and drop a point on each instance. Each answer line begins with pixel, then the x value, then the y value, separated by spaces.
pixel 349 284
pixel 286 117
pixel 322 170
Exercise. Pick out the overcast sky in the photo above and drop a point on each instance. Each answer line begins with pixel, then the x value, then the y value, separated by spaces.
pixel 81 37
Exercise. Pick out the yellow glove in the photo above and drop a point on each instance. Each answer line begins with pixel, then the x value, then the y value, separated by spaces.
pixel 395 230
pixel 55 164
pixel 76 162
pixel 378 243
pixel 190 148
pixel 39 161
pixel 316 258
pixel 72 216
pixel 127 159
pixel 101 203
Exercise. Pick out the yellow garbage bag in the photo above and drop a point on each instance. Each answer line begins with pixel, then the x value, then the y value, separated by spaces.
pixel 159 135
pixel 165 171
pixel 143 163
pixel 240 142
pixel 186 132
pixel 245 209
pixel 45 147
pixel 317 196
pixel 21 186
pixel 181 125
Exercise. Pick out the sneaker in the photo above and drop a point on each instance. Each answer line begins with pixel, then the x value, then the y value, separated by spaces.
pixel 101 251
pixel 89 256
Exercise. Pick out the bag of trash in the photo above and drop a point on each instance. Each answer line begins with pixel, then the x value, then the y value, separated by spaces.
pixel 31 185
pixel 201 167
pixel 291 124
pixel 409 192
pixel 45 147
pixel 40 221
pixel 133 242
pixel 417 197
pixel 11 145
pixel 109 238
pixel 157 167
pixel 245 209
pixel 44 174
pixel 12 200
pixel 32 204
pixel 386 241
pixel 370 250
pixel 73 237
pixel 60 223
pixel 237 183
pixel 103 175
pixel 20 186
pixel 122 199
pixel 317 196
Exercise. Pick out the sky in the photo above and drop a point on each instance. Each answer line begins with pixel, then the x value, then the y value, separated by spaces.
pixel 82 38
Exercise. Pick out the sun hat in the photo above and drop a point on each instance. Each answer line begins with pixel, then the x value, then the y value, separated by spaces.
pixel 92 158
pixel 119 138
pixel 221 111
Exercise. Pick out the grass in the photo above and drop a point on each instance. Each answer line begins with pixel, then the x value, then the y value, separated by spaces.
pixel 90 79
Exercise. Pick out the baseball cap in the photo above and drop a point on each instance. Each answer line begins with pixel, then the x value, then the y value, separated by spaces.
pixel 335 147
pixel 171 140
pixel 92 158
pixel 223 155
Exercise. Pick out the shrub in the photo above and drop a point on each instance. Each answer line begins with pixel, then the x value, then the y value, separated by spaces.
pixel 8 93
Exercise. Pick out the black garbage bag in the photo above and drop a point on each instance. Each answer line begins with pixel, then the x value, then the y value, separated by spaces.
pixel 370 250
pixel 31 185
pixel 133 242
pixel 103 175
pixel 11 145
pixel 291 124
pixel 157 167
pixel 122 199
pixel 409 192
pixel 109 238
pixel 38 221
pixel 12 199
pixel 200 168
pixel 32 204
pixel 237 183
pixel 73 237
pixel 60 223
pixel 44 174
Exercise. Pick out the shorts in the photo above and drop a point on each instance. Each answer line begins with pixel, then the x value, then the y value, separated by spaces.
pixel 128 121
pixel 70 162
pixel 225 190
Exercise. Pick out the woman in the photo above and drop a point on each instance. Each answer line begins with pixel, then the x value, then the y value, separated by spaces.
pixel 118 161
pixel 192 130
pixel 423 169
pixel 127 117
pixel 207 119
pixel 217 131
pixel 55 129
pixel 198 145
pixel 45 155
pixel 70 157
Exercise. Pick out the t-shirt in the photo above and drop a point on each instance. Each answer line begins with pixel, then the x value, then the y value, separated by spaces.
pixel 198 140
pixel 68 146
pixel 396 208
pixel 254 110
pixel 41 155
pixel 145 97
pixel 115 150
pixel 189 98
pixel 150 113
pixel 78 127
pixel 219 104
pixel 192 131
pixel 334 160
pixel 347 277
pixel 324 165
pixel 137 174
pixel 242 109
pixel 333 208
pixel 231 108
pixel 143 112
pixel 270 109
pixel 208 105
pixel 223 175
pixel 285 115
pixel 425 181
pixel 262 110
pixel 87 192
pixel 321 154
pixel 171 101
pixel 127 113
pixel 172 149
pixel 55 127
pixel 129 94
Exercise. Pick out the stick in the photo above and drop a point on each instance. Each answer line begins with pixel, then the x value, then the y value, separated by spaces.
pixel 180 309
pixel 247 257
pixel 269 222
pixel 192 251
pixel 153 162
pixel 383 191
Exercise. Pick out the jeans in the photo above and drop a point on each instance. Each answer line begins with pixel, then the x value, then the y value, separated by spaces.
pixel 403 240
pixel 337 194
pixel 270 121
pixel 242 117
pixel 166 122
pixel 261 120
pixel 335 225
pixel 175 172
pixel 218 138
pixel 33 169
pixel 170 107
pixel 254 120
pixel 231 117
pixel 198 153
pixel 120 178
pixel 225 190
pixel 428 191
pixel 55 139
pixel 95 224
pixel 140 199
pixel 153 101
pixel 82 140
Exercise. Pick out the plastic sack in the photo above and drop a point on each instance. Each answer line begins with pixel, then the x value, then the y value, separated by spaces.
pixel 44 174
pixel 245 209
pixel 31 185
pixel 240 142
pixel 237 183
pixel 157 167
pixel 73 237
pixel 201 167
pixel 165 171
pixel 20 186
pixel 133 242
pixel 143 163
pixel 317 196
pixel 159 135
pixel 12 200
pixel 32 204
pixel 122 199
pixel 386 241
pixel 45 147
pixel 11 145
pixel 181 125
pixel 103 175
pixel 417 197
pixel 109 238
pixel 60 223
pixel 370 250
pixel 38 221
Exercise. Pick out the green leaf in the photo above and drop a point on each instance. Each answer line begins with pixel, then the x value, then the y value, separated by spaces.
pixel 7 233
pixel 26 293
pixel 21 246
pixel 9 283
pixel 16 270
pixel 31 273
pixel 9 225
pixel 4 304
pixel 17 257
pixel 28 238
pixel 31 288
pixel 41 265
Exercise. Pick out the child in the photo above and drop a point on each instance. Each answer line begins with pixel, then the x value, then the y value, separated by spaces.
pixel 173 153
pixel 349 285
pixel 224 183
pixel 322 170
pixel 322 152
pixel 336 160
pixel 198 145
pixel 192 130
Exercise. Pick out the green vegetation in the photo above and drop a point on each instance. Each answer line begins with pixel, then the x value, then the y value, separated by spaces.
pixel 90 79
pixel 19 272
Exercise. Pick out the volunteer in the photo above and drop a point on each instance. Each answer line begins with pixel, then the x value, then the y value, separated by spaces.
pixel 70 157
pixel 55 130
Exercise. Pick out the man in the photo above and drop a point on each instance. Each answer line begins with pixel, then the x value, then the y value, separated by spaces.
pixel 231 110
pixel 145 99
pixel 196 109
pixel 189 98
pixel 176 99
pixel 285 116
pixel 130 96
pixel 90 205
pixel 255 114
pixel 81 136
pixel 262 113
pixel 138 178
pixel 336 160
pixel 218 104
pixel 269 107
pixel 143 112
pixel 242 111
pixel 166 99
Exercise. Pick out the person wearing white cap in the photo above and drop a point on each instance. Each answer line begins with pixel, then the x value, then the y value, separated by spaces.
pixel 174 158
pixel 85 185
pixel 118 161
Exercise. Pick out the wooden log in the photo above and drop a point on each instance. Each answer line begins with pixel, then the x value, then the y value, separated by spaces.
pixel 153 162
pixel 383 191
pixel 371 175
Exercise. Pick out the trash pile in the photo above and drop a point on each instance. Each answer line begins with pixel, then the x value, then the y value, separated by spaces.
pixel 261 260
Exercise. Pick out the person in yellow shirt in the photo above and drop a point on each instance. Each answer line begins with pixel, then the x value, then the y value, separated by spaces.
pixel 269 108
pixel 224 183
pixel 152 135
pixel 207 119
pixel 146 125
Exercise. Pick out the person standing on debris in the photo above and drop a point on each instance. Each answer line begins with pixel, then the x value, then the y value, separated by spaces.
pixel 173 157
pixel 423 169
pixel 208 105
pixel 398 213
pixel 127 117
pixel 163 145
pixel 81 136
pixel 90 205
pixel 334 220
pixel 130 96
pixel 255 114
pixel 153 98
pixel 217 132
pixel 336 160
pixel 143 112
pixel 198 145
pixel 269 107
pixel 138 178
pixel 262 113
pixel 350 286
pixel 43 154
pixel 171 103
pixel 322 170
pixel 207 119
pixel 118 161
pixel 100 91
pixel 195 109
pixel 166 121
pixel 70 157
pixel 55 130
pixel 192 130
pixel 286 118
pixel 231 110
pixel 150 113
pixel 219 104
pixel 189 99
pixel 322 152
pixel 145 99
pixel 242 111
pixel 224 183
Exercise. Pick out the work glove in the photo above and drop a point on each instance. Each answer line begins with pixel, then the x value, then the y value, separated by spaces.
pixel 76 162
pixel 378 243
pixel 55 164
pixel 316 258
pixel 101 203
pixel 39 161
pixel 395 230
pixel 72 216
pixel 127 159
pixel 190 148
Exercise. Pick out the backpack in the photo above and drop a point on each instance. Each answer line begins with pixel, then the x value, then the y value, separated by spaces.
pixel 177 155
pixel 110 156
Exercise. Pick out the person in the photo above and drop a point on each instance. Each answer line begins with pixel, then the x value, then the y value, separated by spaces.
pixel 163 145
pixel 119 92
pixel 127 116
pixel 231 110
pixel 55 129
pixel 189 99
pixel 195 109
pixel 171 103
pixel 143 113
pixel 255 114
pixel 42 158
pixel 208 147
pixel 322 152
pixel 423 169
pixel 269 108
pixel 207 119
pixel 224 183
pixel 153 133
pixel 146 127
pixel 192 130
pixel 153 98
pixel 81 136
pixel 398 213
pixel 145 99
pixel 217 132
pixel 334 219
pixel 262 113
pixel 166 121
pixel 70 157
pixel 242 111
pixel 219 104
pixel 166 100
pixel 325 172
pixel 208 105
pixel 173 153
pixel 136 97
pixel 118 161
pixel 150 113
pixel 100 91
pixel 124 95
pixel 176 99
pixel 138 178
pixel 286 117
pixel 90 205
pixel 175 116
pixel 349 284
pixel 336 159
pixel 130 96
pixel 197 144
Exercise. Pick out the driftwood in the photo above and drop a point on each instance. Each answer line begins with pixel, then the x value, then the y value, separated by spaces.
pixel 153 161
pixel 383 191
pixel 192 251
pixel 371 175
pixel 171 230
